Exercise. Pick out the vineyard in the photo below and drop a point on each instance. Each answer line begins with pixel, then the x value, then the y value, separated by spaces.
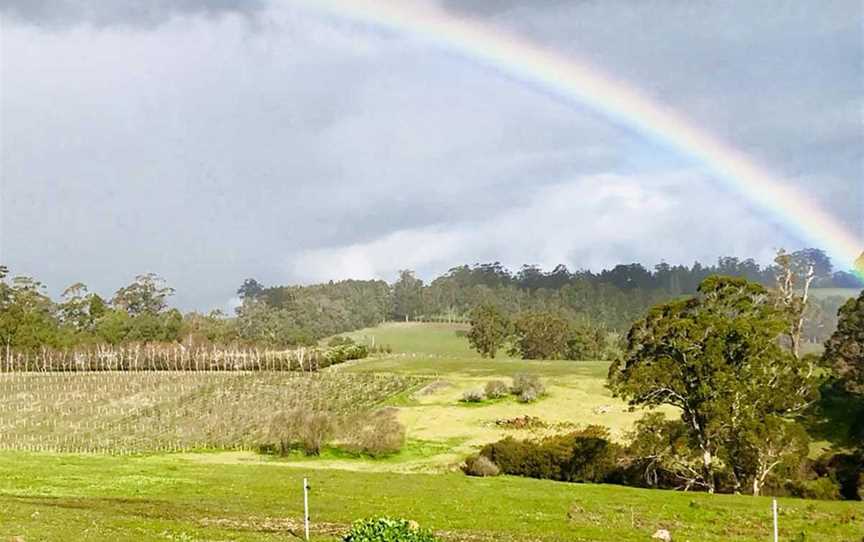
pixel 176 357
pixel 148 411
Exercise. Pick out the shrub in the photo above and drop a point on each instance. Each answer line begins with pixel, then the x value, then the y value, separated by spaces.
pixel 301 429
pixel 823 488
pixel 847 469
pixel 480 465
pixel 472 396
pixel 378 434
pixel 527 396
pixel 340 341
pixel 495 389
pixel 579 456
pixel 527 388
pixel 388 530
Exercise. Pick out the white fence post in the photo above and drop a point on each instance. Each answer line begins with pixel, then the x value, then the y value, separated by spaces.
pixel 776 532
pixel 306 507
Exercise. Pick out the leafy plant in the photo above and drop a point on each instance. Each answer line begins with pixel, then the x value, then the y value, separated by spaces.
pixel 388 530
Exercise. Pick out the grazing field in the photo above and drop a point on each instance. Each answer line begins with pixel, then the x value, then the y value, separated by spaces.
pixel 218 488
pixel 128 412
pixel 58 498
pixel 415 337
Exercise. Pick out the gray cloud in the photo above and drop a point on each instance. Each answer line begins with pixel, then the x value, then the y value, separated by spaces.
pixel 102 13
pixel 306 147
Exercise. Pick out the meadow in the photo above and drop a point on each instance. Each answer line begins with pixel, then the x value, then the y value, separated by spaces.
pixel 216 487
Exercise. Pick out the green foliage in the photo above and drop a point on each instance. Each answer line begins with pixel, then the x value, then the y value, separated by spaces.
pixel 388 530
pixel 407 296
pixel 587 455
pixel 28 318
pixel 490 329
pixel 844 351
pixel 718 358
pixel 661 454
pixel 340 340
pixel 148 294
pixel 540 335
pixel 823 488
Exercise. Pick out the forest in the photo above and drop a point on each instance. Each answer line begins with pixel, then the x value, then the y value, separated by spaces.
pixel 608 301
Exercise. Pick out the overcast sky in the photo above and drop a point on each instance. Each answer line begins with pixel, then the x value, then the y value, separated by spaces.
pixel 209 143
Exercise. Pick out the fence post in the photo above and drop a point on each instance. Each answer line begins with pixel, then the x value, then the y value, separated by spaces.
pixel 776 532
pixel 306 506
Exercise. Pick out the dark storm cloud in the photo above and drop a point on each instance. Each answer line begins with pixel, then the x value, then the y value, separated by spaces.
pixel 101 13
pixel 308 148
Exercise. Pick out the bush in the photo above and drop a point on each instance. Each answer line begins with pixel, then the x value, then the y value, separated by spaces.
pixel 472 396
pixel 378 434
pixel 480 465
pixel 847 469
pixel 387 530
pixel 342 353
pixel 495 389
pixel 301 429
pixel 340 341
pixel 527 388
pixel 823 488
pixel 527 396
pixel 580 456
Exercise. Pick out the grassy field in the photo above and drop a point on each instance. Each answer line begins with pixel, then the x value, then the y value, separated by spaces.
pixel 576 395
pixel 241 495
pixel 50 498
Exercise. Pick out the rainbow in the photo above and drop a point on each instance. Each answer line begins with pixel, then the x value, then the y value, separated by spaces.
pixel 575 80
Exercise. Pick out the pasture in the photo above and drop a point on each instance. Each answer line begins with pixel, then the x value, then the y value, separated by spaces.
pixel 214 486
pixel 58 498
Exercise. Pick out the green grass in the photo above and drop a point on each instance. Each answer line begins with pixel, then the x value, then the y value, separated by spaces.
pixel 49 498
pixel 441 339
pixel 244 496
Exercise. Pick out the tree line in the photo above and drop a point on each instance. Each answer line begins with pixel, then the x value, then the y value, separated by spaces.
pixel 592 304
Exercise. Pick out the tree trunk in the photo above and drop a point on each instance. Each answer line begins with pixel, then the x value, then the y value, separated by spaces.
pixel 708 472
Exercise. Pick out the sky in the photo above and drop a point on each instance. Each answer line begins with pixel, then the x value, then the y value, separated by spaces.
pixel 211 140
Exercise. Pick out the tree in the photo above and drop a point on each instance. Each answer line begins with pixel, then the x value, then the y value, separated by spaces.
pixel 717 358
pixel 148 294
pixel 540 335
pixel 758 446
pixel 80 309
pixel 490 329
pixel 844 351
pixel 407 295
pixel 796 273
pixel 250 289
pixel 28 316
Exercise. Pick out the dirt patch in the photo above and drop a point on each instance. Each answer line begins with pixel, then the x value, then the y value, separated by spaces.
pixel 275 525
